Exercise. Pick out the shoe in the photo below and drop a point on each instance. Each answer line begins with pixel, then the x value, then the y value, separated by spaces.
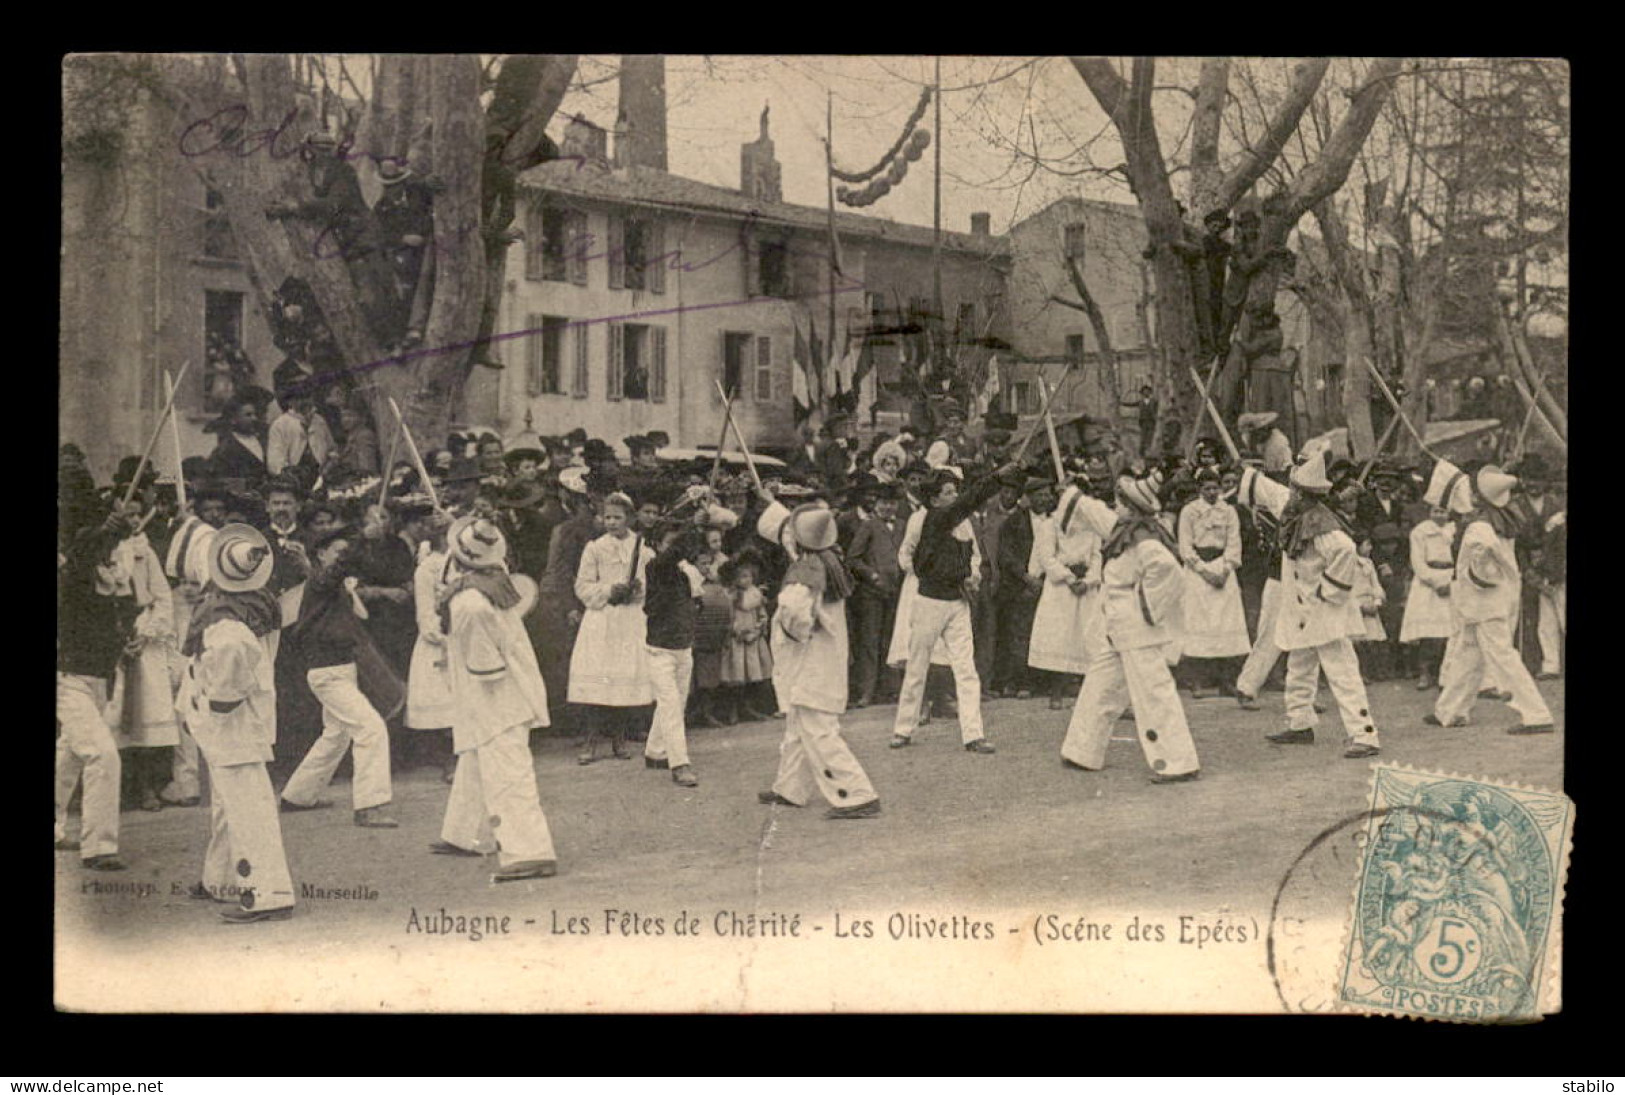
pixel 298 808
pixel 67 845
pixel 254 916
pixel 683 775
pixel 586 757
pixel 1537 728
pixel 703 720
pixel 1423 684
pixel 620 752
pixel 1065 763
pixel 1492 694
pixel 1247 703
pixel 925 717
pixel 980 745
pixel 1359 750
pixel 656 762
pixel 373 817
pixel 104 863
pixel 853 813
pixel 1547 676
pixel 530 868
pixel 898 741
pixel 1431 719
pixel 1183 777
pixel 773 798
pixel 180 802
pixel 1292 737
pixel 446 847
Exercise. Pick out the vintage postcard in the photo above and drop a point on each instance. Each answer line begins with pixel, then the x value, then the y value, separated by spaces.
pixel 639 533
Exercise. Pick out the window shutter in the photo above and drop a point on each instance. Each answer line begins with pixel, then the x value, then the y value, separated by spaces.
pixel 657 364
pixel 764 368
pixel 617 350
pixel 578 383
pixel 655 275
pixel 535 347
pixel 753 262
pixel 617 252
pixel 535 241
pixel 575 243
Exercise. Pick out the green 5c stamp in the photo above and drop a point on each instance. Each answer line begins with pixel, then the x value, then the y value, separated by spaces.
pixel 1458 908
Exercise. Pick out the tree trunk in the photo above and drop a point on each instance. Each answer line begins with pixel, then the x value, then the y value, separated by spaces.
pixel 1357 380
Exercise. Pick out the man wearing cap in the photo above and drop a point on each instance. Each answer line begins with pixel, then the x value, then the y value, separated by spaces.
pixel 1143 585
pixel 1483 597
pixel 1215 624
pixel 497 697
pixel 226 697
pixel 1318 616
pixel 330 638
pixel 96 622
pixel 941 613
pixel 405 217
pixel 1260 435
pixel 809 644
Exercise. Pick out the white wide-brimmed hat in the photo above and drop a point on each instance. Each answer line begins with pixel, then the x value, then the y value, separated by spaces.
pixel 1143 494
pixel 476 542
pixel 1449 487
pixel 1495 486
pixel 1311 474
pixel 240 561
pixel 814 527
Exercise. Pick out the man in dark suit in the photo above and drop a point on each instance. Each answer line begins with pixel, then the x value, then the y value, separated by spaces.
pixel 239 451
pixel 1019 589
pixel 872 558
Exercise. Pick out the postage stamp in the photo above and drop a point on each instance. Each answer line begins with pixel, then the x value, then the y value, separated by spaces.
pixel 1458 906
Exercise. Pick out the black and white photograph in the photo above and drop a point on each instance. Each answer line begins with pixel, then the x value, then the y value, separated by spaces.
pixel 812 534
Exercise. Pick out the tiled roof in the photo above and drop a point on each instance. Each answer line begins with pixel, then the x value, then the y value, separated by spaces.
pixel 648 187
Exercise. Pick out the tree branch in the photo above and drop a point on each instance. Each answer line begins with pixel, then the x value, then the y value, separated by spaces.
pixel 1322 178
pixel 1211 87
pixel 1306 80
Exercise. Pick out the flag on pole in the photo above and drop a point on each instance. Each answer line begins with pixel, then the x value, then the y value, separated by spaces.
pixel 798 376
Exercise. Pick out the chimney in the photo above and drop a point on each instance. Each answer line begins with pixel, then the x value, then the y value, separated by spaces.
pixel 585 143
pixel 640 132
pixel 981 224
pixel 759 173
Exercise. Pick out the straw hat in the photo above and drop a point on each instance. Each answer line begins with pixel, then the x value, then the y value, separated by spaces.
pixel 476 542
pixel 1311 474
pixel 814 527
pixel 1143 494
pixel 1495 486
pixel 240 561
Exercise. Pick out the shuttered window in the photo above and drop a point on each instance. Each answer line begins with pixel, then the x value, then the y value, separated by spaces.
pixel 578 383
pixel 612 377
pixel 656 346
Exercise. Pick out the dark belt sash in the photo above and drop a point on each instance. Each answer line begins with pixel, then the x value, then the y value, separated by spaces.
pixel 1208 554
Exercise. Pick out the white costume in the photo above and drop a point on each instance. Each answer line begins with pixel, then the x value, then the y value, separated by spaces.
pixel 142 709
pixel 809 644
pixel 607 666
pixel 226 698
pixel 1553 622
pixel 1427 602
pixel 428 684
pixel 1260 492
pixel 1069 630
pixel 1142 590
pixel 1210 544
pixel 1482 596
pixel 497 697
pixel 1315 623
pixel 188 564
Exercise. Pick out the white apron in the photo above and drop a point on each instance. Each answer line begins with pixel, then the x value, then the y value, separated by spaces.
pixel 1427 602
pixel 607 666
pixel 1215 622
pixel 1068 630
pixel 428 682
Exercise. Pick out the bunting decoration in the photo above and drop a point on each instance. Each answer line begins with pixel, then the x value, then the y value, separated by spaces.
pixel 893 166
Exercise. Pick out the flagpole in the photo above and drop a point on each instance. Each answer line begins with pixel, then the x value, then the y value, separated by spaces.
pixel 829 189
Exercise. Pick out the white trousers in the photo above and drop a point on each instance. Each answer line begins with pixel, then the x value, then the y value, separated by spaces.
pixel 670 672
pixel 1342 668
pixel 86 751
pixel 494 798
pixel 245 859
pixel 184 769
pixel 1262 660
pixel 814 755
pixel 1474 650
pixel 347 717
pixel 1114 680
pixel 949 622
pixel 1554 623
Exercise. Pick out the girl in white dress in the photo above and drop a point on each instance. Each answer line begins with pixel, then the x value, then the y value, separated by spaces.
pixel 1428 622
pixel 608 675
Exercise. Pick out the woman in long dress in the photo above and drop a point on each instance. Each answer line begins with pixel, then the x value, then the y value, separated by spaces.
pixel 1428 622
pixel 141 711
pixel 608 675
pixel 1069 626
pixel 1209 534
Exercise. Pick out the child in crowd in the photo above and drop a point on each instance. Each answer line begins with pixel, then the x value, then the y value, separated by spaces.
pixel 1368 591
pixel 747 663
